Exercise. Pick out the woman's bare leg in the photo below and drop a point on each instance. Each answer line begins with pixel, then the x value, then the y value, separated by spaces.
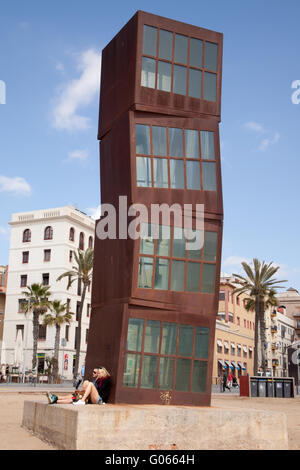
pixel 91 391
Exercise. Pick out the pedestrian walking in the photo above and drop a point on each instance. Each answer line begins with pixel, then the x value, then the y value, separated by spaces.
pixel 225 380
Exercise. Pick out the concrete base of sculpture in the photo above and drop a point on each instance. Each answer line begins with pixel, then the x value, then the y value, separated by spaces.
pixel 148 427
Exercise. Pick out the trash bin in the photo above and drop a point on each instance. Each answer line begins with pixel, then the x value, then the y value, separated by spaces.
pixel 262 388
pixel 287 389
pixel 270 388
pixel 278 389
pixel 253 388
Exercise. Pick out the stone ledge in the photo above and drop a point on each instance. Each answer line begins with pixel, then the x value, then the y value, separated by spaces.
pixel 146 427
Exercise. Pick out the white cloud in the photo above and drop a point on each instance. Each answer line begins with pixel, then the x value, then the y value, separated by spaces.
pixel 235 261
pixel 16 185
pixel 267 142
pixel 254 126
pixel 94 212
pixel 79 155
pixel 78 93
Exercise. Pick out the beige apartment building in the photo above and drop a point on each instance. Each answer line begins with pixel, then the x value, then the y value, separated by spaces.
pixel 3 283
pixel 235 328
pixel 290 300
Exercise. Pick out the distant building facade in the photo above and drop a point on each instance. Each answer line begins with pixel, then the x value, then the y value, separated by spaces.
pixel 291 301
pixel 42 246
pixel 3 282
pixel 235 328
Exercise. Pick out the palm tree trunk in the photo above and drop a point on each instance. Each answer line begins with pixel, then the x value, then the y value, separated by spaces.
pixel 56 349
pixel 78 332
pixel 35 333
pixel 256 336
pixel 262 326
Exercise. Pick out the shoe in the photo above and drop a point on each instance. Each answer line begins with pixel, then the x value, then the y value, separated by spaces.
pixel 51 398
pixel 79 402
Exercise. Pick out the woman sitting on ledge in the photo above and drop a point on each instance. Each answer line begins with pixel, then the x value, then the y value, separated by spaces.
pixel 95 392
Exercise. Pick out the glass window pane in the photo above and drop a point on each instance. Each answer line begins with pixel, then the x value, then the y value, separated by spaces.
pixel 164 76
pixel 177 174
pixel 195 83
pixel 159 140
pixel 185 344
pixel 149 371
pixel 146 240
pixel 196 51
pixel 209 176
pixel 165 44
pixel 178 243
pixel 208 278
pixel 191 144
pixel 152 335
pixel 166 373
pixel 163 242
pixel 211 56
pixel 177 276
pixel 201 342
pixel 183 372
pixel 175 142
pixel 192 175
pixel 207 145
pixel 199 376
pixel 131 371
pixel 181 46
pixel 179 83
pixel 169 338
pixel 135 334
pixel 210 86
pixel 195 254
pixel 210 246
pixel 145 272
pixel 142 137
pixel 193 277
pixel 148 72
pixel 149 40
pixel 162 274
pixel 143 171
pixel 160 169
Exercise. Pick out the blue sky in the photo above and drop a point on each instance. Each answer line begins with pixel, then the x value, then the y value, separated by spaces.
pixel 49 61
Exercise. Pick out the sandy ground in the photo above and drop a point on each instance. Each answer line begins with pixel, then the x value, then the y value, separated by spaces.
pixel 14 437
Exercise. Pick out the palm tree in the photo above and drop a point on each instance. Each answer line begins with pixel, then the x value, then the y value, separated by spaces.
pixel 82 273
pixel 58 317
pixel 260 285
pixel 37 302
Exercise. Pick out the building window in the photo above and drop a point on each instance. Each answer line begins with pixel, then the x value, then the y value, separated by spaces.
pixel 48 234
pixel 70 256
pixel 20 328
pixel 77 310
pixel 25 257
pixel 221 316
pixel 175 158
pixel 46 279
pixel 179 64
pixel 222 295
pixel 88 310
pixel 68 305
pixel 47 255
pixel 86 335
pixel 238 350
pixel 232 349
pixel 23 280
pixel 67 332
pixel 81 241
pixel 79 285
pixel 166 355
pixel 238 321
pixel 42 332
pixel 245 351
pixel 26 235
pixel 237 300
pixel 91 241
pixel 22 305
pixel 250 353
pixel 230 317
pixel 166 264
pixel 72 234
